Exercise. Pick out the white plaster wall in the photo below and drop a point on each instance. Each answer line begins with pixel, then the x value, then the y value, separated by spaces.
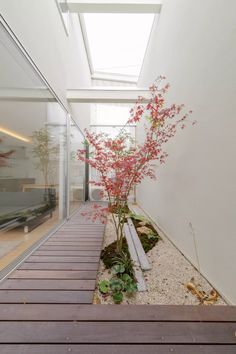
pixel 60 57
pixel 194 46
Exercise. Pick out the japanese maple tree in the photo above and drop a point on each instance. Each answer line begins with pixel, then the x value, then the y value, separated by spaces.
pixel 122 163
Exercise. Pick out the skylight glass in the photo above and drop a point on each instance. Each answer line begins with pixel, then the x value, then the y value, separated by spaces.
pixel 117 42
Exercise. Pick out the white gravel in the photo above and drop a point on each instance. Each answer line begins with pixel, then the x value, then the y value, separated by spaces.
pixel 165 281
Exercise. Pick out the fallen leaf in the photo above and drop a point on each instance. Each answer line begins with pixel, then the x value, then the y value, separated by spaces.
pixel 202 296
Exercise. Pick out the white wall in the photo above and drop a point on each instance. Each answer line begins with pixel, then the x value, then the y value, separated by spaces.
pixel 61 58
pixel 194 46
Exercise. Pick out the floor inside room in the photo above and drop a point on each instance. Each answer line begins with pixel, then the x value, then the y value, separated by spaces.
pixel 15 241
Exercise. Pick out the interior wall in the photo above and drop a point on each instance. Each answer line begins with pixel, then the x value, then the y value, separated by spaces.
pixel 194 45
pixel 60 57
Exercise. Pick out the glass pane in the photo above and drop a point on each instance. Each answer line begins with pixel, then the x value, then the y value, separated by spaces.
pixel 32 155
pixel 77 168
pixel 118 42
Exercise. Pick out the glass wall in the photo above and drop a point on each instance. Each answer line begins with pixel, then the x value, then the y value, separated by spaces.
pixel 33 137
pixel 76 169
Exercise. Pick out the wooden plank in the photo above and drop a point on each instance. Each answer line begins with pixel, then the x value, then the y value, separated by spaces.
pixel 72 239
pixel 114 332
pixel 77 242
pixel 115 349
pixel 46 297
pixel 61 259
pixel 78 236
pixel 144 263
pixel 114 313
pixel 81 253
pixel 53 274
pixel 79 225
pixel 59 266
pixel 70 226
pixel 80 232
pixel 59 247
pixel 81 235
pixel 46 284
pixel 75 225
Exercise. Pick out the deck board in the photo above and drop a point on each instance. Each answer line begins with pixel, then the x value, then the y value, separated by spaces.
pixel 59 266
pixel 46 307
pixel 116 332
pixel 53 274
pixel 112 313
pixel 115 349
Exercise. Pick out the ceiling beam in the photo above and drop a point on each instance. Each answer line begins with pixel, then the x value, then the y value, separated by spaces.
pixel 115 6
pixel 26 95
pixel 107 95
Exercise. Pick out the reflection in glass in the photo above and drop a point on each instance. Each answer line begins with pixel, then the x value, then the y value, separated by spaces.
pixel 32 155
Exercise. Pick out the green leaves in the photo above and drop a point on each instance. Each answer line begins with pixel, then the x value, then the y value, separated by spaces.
pixel 131 288
pixel 104 286
pixel 116 286
pixel 152 236
pixel 124 260
pixel 118 268
pixel 126 278
pixel 117 298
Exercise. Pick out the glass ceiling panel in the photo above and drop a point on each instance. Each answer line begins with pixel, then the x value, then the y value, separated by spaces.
pixel 117 42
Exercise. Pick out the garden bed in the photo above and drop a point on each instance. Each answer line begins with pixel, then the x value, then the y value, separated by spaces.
pixel 169 280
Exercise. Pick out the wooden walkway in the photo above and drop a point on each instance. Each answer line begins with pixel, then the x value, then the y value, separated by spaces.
pixel 45 308
pixel 62 270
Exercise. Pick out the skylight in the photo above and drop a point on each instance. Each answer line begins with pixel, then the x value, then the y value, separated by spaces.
pixel 117 42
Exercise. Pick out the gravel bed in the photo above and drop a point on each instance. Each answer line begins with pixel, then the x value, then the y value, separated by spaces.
pixel 165 281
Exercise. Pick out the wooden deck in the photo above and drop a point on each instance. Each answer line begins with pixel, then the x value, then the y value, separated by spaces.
pixel 45 307
pixel 62 270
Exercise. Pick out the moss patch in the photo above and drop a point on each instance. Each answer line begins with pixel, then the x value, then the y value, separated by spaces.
pixel 148 241
pixel 109 253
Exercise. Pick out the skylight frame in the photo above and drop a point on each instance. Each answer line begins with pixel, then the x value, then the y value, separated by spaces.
pixel 102 75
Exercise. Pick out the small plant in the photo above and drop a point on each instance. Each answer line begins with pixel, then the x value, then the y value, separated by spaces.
pixel 122 281
pixel 104 286
pixel 117 285
pixel 117 297
pixel 123 260
pixel 118 268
